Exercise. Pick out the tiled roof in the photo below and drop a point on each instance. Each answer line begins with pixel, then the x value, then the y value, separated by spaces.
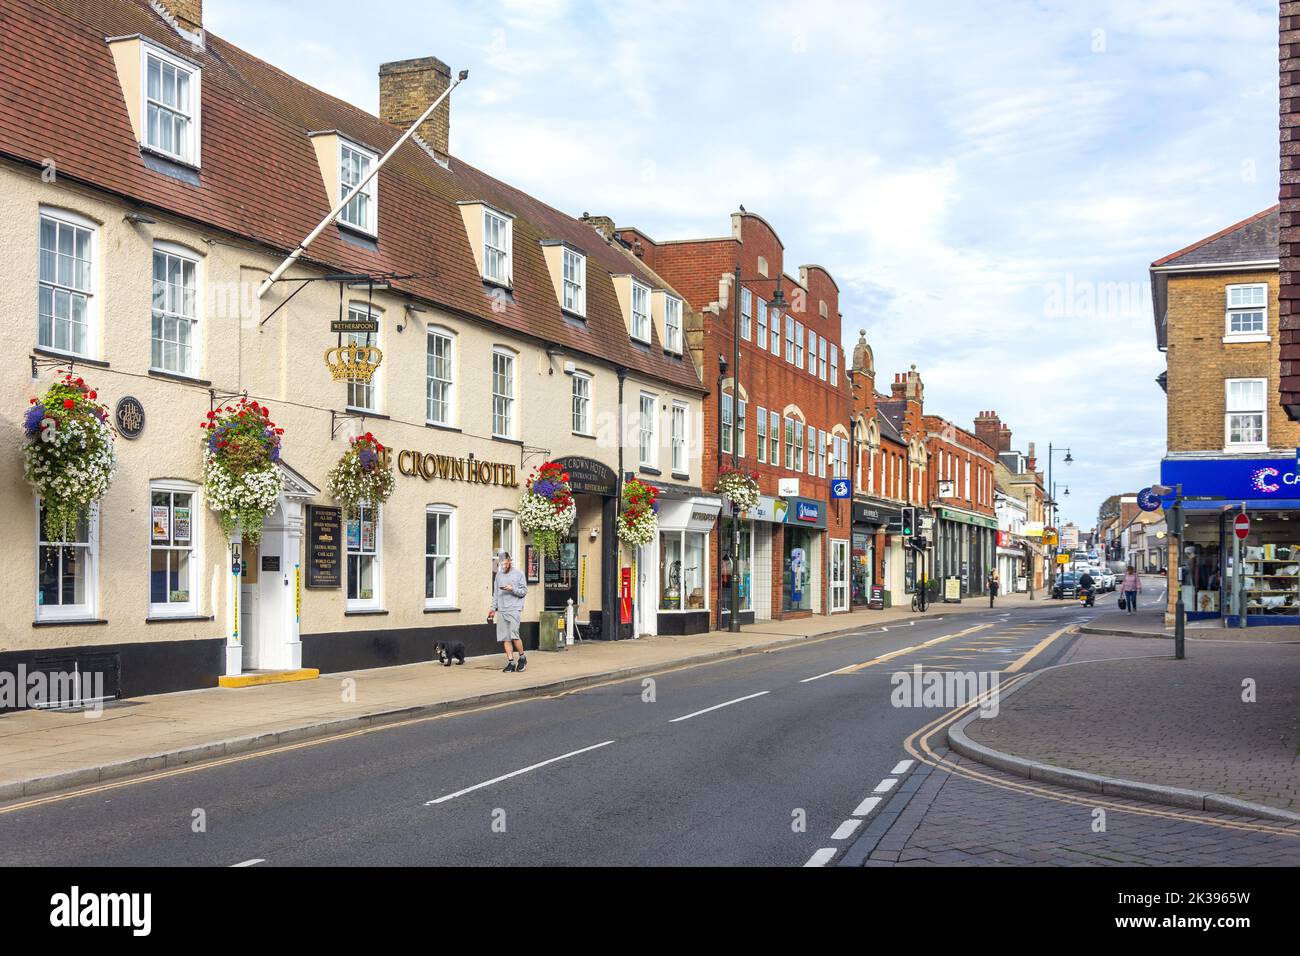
pixel 60 98
pixel 1251 240
pixel 888 427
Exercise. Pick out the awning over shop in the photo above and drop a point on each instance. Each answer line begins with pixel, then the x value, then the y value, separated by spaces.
pixel 688 514
pixel 966 517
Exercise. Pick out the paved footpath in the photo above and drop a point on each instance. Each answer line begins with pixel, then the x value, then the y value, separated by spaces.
pixel 950 819
pixel 1225 720
pixel 41 751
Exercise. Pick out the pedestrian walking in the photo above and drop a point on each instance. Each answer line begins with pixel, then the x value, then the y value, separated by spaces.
pixel 1131 586
pixel 993 585
pixel 508 590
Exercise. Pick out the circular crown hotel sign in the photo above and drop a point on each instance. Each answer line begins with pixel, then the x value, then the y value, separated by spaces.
pixel 128 416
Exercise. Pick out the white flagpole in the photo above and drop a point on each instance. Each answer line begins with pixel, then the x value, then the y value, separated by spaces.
pixel 338 208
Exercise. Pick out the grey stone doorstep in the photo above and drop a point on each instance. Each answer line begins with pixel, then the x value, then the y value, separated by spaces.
pixel 1096 783
pixel 87 776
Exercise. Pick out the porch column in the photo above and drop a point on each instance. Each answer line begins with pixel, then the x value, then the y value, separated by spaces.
pixel 234 640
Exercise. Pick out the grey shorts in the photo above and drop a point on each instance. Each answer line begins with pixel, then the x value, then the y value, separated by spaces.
pixel 507 627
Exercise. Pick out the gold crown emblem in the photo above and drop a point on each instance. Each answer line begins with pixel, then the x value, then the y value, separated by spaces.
pixel 353 362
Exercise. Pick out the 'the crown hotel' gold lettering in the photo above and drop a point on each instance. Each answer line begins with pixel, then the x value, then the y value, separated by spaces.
pixel 429 467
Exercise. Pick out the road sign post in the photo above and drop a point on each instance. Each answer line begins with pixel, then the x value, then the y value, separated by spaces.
pixel 1240 531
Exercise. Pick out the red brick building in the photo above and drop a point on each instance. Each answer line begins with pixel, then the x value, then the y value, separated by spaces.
pixel 780 412
pixel 961 490
pixel 890 473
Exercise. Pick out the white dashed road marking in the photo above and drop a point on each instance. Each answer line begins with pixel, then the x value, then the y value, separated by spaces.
pixel 902 767
pixel 515 773
pixel 846 829
pixel 821 857
pixel 717 706
pixel 866 806
pixel 886 785
pixel 252 862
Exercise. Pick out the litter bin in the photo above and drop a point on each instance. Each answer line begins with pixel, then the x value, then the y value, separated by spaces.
pixel 550 628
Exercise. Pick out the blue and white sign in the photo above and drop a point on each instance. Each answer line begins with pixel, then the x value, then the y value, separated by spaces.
pixel 1147 500
pixel 1260 482
pixel 840 488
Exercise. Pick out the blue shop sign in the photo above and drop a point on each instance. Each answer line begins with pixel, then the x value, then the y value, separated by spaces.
pixel 806 512
pixel 1260 482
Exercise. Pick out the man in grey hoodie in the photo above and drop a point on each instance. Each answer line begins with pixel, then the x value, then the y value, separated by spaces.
pixel 508 590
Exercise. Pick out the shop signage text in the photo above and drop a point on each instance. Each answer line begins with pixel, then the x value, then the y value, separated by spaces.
pixel 429 467
pixel 128 416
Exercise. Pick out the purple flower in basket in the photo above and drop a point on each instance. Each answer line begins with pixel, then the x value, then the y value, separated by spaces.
pixel 32 420
pixel 367 458
pixel 544 488
pixel 275 453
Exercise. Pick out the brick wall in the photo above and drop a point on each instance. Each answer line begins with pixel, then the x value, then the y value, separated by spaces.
pixel 695 268
pixel 1199 361
pixel 1289 196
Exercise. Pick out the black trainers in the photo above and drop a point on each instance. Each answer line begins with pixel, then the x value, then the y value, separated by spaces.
pixel 523 662
pixel 508 668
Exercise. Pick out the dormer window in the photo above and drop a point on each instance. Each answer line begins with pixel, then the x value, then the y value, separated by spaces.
pixel 496 247
pixel 171 105
pixel 575 282
pixel 362 212
pixel 641 312
pixel 673 324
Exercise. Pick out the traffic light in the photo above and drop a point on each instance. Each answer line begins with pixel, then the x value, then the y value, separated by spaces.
pixel 909 522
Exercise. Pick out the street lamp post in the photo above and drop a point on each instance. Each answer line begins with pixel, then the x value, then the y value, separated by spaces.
pixel 1176 528
pixel 777 303
pixel 1051 455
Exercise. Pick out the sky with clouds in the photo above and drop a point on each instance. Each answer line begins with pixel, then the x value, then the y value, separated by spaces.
pixel 987 181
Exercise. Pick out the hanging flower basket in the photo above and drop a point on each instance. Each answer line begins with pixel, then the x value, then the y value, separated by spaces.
pixel 638 522
pixel 739 486
pixel 241 446
pixel 362 476
pixel 68 458
pixel 547 509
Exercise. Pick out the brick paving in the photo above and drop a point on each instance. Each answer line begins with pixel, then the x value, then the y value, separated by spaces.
pixel 1176 723
pixel 951 820
pixel 1149 622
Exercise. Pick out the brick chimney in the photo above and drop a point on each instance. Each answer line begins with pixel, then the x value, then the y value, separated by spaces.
pixel 602 224
pixel 188 13
pixel 898 387
pixel 1031 460
pixel 406 88
pixel 988 429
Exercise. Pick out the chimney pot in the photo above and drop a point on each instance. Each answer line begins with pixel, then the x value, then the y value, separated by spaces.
pixel 407 88
pixel 188 13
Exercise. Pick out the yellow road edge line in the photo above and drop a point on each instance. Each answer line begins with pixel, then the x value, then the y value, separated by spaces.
pixel 1038 649
pixel 1082 799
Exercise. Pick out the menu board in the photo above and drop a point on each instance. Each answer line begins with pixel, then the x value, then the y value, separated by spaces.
pixel 324 547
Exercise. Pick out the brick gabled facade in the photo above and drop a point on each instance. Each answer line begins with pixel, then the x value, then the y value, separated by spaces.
pixel 703 271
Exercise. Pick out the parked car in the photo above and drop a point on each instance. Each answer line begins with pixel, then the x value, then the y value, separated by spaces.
pixel 1066 586
pixel 1105 580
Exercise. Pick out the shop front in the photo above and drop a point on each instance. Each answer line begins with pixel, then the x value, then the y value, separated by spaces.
pixel 801 556
pixel 870 560
pixel 1010 564
pixel 964 543
pixel 760 530
pixel 672 591
pixel 1214 492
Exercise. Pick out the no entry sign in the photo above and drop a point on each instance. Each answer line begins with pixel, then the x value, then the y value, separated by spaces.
pixel 1241 525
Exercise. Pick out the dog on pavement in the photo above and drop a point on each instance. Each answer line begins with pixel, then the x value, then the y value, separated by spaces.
pixel 446 651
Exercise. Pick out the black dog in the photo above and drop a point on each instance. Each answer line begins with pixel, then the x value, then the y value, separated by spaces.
pixel 445 652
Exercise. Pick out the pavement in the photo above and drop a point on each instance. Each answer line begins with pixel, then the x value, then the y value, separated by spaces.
pixel 1146 622
pixel 42 751
pixel 1225 720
